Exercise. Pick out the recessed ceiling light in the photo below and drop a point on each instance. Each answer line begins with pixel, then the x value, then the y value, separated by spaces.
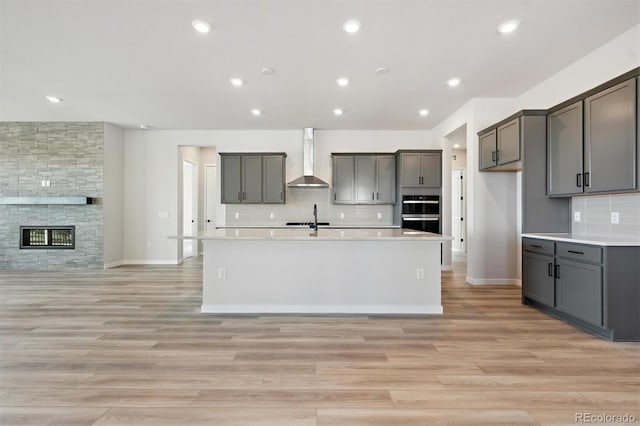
pixel 337 111
pixel 382 70
pixel 508 26
pixel 201 26
pixel 351 26
pixel 236 81
pixel 423 112
pixel 144 126
pixel 256 111
pixel 342 81
pixel 54 99
pixel 456 145
pixel 453 82
pixel 267 71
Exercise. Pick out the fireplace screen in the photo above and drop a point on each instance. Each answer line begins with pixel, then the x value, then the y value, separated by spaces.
pixel 47 237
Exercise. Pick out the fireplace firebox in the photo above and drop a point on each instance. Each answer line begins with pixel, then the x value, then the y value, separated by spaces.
pixel 47 237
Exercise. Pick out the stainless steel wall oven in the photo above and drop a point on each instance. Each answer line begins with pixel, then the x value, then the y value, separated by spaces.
pixel 421 212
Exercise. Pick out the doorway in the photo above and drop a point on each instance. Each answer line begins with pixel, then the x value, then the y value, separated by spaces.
pixel 458 201
pixel 189 207
pixel 210 196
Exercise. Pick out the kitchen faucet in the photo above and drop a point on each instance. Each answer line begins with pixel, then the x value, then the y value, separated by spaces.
pixel 314 225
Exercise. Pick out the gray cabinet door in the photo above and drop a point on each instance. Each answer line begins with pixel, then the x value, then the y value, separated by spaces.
pixel 273 179
pixel 431 170
pixel 365 185
pixel 488 143
pixel 538 282
pixel 386 179
pixel 579 290
pixel 251 178
pixel 343 179
pixel 411 170
pixel 508 142
pixel 564 151
pixel 231 179
pixel 610 139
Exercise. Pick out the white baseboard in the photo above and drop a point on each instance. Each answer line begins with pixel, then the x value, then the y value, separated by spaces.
pixel 151 262
pixel 321 309
pixel 113 264
pixel 519 283
pixel 491 281
pixel 446 267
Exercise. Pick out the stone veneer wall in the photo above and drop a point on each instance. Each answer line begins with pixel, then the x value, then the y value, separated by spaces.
pixel 71 156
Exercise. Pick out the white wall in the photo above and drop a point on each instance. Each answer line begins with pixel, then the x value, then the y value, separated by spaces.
pixel 113 195
pixel 152 179
pixel 492 210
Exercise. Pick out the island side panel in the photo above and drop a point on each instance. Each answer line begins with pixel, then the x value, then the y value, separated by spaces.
pixel 321 276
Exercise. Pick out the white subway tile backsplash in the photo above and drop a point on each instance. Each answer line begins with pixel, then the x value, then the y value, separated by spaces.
pixel 595 212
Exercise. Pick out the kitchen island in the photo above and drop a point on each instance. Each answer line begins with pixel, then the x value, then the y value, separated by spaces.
pixel 375 271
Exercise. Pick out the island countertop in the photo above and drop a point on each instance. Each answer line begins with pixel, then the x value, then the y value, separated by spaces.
pixel 291 234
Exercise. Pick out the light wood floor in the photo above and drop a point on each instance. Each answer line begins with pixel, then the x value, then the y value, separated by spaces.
pixel 128 346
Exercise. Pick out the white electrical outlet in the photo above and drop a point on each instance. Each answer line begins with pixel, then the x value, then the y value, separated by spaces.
pixel 44 183
pixel 615 217
pixel 237 216
pixel 222 273
pixel 272 215
pixel 420 273
pixel 163 215
pixel 341 215
pixel 576 216
pixel 379 215
pixel 48 183
pixel 148 243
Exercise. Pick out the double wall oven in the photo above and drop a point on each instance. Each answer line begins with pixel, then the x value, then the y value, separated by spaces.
pixel 421 212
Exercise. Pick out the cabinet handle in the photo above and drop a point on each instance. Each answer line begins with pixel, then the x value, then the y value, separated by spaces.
pixel 334 196
pixel 377 195
pixel 419 180
pixel 244 195
pixel 493 156
pixel 373 195
pixel 557 274
pixel 497 155
pixel 281 195
pixel 536 246
pixel 576 252
pixel 550 269
pixel 240 196
pixel 587 181
pixel 579 180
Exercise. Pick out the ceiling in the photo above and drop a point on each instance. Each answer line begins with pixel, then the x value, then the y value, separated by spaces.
pixel 133 62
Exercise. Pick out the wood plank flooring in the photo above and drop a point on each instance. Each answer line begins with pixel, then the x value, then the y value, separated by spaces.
pixel 128 346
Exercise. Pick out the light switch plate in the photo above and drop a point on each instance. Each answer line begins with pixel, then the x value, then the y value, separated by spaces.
pixel 237 216
pixel 576 216
pixel 163 215
pixel 379 215
pixel 615 217
pixel 341 215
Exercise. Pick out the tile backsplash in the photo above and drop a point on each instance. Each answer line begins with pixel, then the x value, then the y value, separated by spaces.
pixel 299 208
pixel 596 214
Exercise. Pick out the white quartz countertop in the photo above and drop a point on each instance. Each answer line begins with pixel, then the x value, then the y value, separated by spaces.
pixel 631 241
pixel 368 234
pixel 305 227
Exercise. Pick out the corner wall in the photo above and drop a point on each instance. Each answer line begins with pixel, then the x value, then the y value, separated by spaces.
pixel 113 202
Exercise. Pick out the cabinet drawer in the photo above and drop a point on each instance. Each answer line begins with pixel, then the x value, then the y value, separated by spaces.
pixel 537 246
pixel 580 252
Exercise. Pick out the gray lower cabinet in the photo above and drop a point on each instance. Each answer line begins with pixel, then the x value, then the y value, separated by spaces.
pixel 420 169
pixel 610 139
pixel 537 270
pixel 252 178
pixel 364 179
pixel 564 151
pixel 579 290
pixel 595 288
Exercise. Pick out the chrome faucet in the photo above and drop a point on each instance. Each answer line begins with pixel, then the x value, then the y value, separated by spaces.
pixel 314 225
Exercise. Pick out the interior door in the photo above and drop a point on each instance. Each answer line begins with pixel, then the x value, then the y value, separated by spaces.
pixel 457 209
pixel 189 207
pixel 210 195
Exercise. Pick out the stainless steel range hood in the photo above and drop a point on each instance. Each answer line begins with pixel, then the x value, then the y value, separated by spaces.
pixel 308 180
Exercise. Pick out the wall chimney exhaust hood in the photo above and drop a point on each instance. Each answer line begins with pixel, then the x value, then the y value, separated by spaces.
pixel 308 180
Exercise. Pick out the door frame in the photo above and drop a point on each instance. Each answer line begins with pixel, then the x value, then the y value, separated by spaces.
pixel 194 203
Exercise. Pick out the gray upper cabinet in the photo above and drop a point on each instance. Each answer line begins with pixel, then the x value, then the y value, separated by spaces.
pixel 564 151
pixel 231 179
pixel 343 179
pixel 386 179
pixel 421 169
pixel 364 178
pixel 273 179
pixel 610 139
pixel 488 143
pixel 252 178
pixel 508 142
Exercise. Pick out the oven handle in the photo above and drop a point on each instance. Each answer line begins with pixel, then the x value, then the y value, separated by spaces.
pixel 420 219
pixel 419 202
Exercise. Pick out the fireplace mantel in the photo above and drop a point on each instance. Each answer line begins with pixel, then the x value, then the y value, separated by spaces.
pixel 46 200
